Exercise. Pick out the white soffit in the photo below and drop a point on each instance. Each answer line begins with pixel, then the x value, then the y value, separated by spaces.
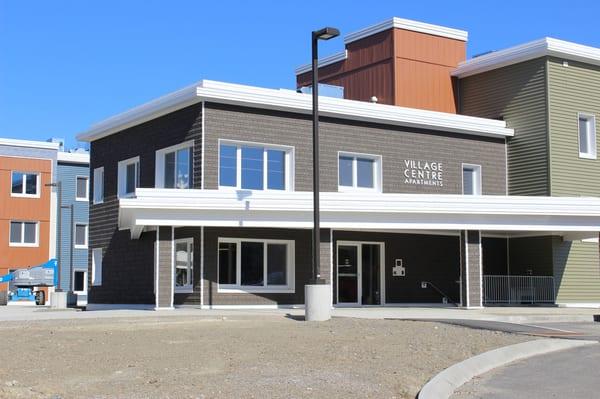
pixel 407 24
pixel 73 157
pixel 528 51
pixel 291 101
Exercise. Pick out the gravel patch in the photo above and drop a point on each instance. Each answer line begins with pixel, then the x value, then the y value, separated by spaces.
pixel 260 357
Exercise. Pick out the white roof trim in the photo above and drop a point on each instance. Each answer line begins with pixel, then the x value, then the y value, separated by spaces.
pixel 407 24
pixel 168 207
pixel 73 157
pixel 289 100
pixel 29 143
pixel 528 51
pixel 331 59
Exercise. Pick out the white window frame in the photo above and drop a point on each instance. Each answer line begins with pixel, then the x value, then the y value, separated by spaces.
pixel 477 169
pixel 25 244
pixel 289 164
pixel 591 119
pixel 289 288
pixel 188 288
pixel 87 188
pixel 377 172
pixel 98 185
pixel 23 194
pixel 85 282
pixel 80 246
pixel 159 171
pixel 97 268
pixel 122 176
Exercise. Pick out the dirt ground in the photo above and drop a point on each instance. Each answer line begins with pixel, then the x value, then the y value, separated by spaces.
pixel 260 357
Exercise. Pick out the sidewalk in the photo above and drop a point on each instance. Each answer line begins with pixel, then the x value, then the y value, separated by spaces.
pixel 503 314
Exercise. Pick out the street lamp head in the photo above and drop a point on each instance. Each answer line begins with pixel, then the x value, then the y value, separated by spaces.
pixel 325 33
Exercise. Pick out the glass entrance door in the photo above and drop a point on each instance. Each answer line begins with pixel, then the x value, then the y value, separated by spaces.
pixel 359 273
pixel 347 274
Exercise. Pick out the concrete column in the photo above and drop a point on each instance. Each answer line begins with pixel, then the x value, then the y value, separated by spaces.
pixel 471 271
pixel 164 268
pixel 317 297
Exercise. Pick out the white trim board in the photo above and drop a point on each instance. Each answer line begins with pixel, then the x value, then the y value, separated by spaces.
pixel 330 59
pixel 407 24
pixel 546 46
pixel 29 143
pixel 291 101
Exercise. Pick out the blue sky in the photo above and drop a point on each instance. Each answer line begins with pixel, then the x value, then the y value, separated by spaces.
pixel 67 64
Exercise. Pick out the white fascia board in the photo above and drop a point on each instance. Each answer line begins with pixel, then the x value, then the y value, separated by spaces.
pixel 331 59
pixel 291 101
pixel 73 157
pixel 29 144
pixel 380 211
pixel 407 24
pixel 143 113
pixel 287 100
pixel 538 48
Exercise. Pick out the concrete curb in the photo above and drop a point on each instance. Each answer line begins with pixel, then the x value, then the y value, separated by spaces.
pixel 445 383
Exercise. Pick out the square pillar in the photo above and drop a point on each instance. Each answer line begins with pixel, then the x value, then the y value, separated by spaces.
pixel 165 277
pixel 471 270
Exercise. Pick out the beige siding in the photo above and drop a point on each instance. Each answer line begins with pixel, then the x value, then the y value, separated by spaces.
pixel 516 94
pixel 576 271
pixel 572 89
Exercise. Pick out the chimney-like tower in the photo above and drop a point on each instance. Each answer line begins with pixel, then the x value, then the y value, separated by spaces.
pixel 401 62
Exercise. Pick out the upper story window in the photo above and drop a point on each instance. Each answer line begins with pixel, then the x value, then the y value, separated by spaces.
pixel 471 179
pixel 81 236
pixel 250 166
pixel 98 185
pixel 81 188
pixel 25 184
pixel 587 136
pixel 174 166
pixel 129 176
pixel 23 234
pixel 359 172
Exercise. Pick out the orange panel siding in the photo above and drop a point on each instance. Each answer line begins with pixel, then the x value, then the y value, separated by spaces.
pixel 25 209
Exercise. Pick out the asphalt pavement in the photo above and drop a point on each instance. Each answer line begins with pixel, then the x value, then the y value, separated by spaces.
pixel 572 374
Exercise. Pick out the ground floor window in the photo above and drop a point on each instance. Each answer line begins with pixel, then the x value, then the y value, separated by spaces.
pixel 79 281
pixel 184 265
pixel 256 265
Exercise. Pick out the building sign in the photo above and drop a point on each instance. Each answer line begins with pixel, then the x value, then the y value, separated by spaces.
pixel 423 173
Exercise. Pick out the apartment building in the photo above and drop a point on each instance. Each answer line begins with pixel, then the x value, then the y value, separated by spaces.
pixel 27 208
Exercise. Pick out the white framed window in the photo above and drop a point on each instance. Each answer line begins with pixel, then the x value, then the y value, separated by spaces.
pixel 256 265
pixel 587 136
pixel 80 281
pixel 81 236
pixel 23 234
pixel 471 179
pixel 99 185
pixel 97 266
pixel 174 166
pixel 81 188
pixel 25 184
pixel 360 172
pixel 129 177
pixel 255 166
pixel 184 265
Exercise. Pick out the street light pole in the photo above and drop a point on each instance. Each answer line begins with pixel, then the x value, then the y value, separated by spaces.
pixel 322 34
pixel 58 186
pixel 317 293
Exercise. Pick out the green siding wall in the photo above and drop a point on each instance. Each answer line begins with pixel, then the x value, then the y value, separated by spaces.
pixel 517 94
pixel 572 89
pixel 576 271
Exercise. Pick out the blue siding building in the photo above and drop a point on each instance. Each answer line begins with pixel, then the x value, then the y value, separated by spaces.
pixel 73 172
